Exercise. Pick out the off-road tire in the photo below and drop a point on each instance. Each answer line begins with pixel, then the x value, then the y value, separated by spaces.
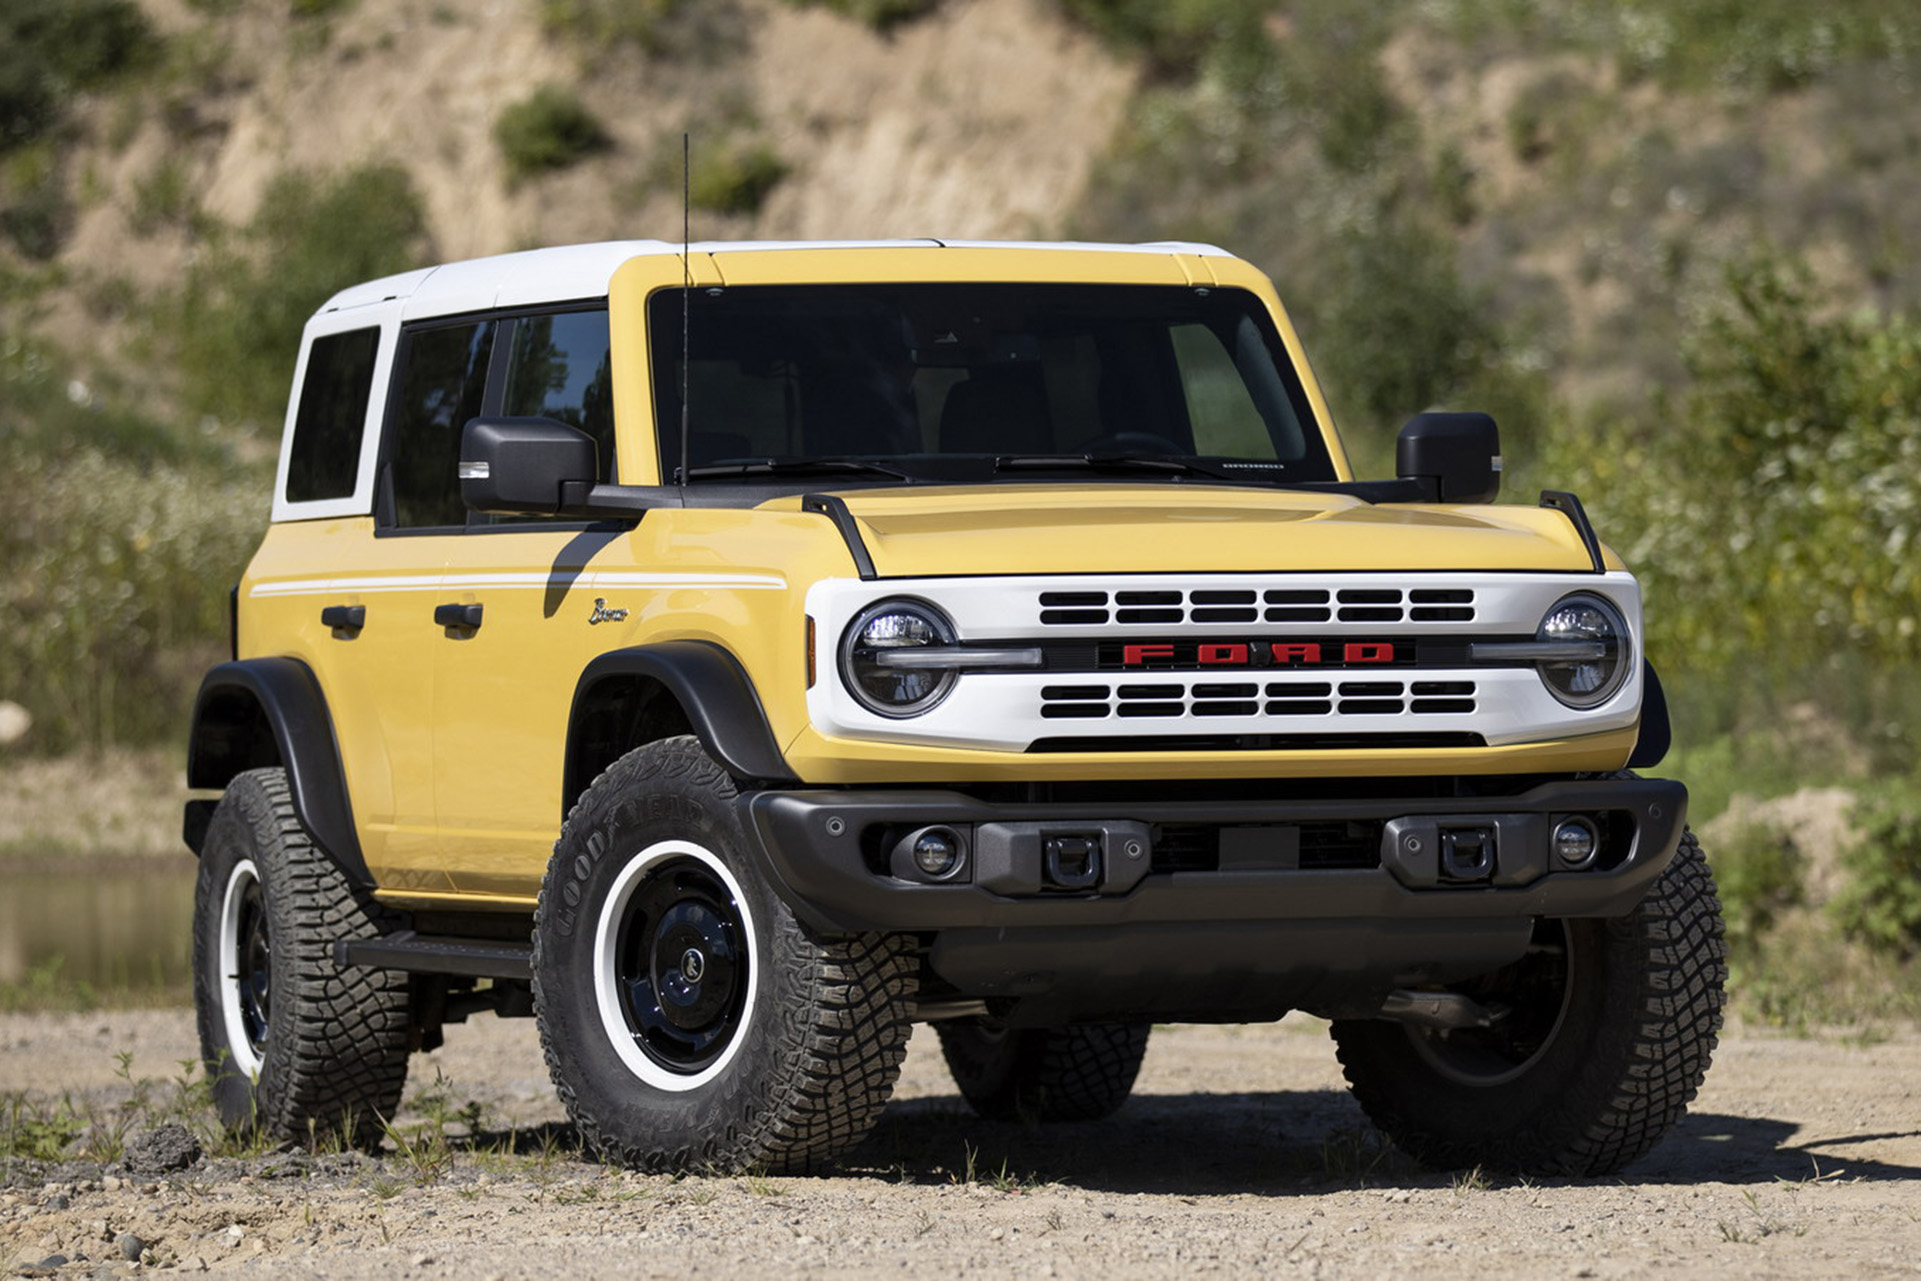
pixel 310 1052
pixel 781 1049
pixel 1613 1067
pixel 1078 1073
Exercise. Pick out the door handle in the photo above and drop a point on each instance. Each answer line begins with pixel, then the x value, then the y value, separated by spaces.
pixel 344 618
pixel 458 616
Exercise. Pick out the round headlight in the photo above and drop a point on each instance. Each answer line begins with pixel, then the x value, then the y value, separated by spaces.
pixel 879 664
pixel 1596 637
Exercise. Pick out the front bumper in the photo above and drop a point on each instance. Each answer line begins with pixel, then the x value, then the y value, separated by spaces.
pixel 1212 911
pixel 830 854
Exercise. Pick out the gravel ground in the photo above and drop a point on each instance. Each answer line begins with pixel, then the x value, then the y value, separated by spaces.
pixel 1239 1154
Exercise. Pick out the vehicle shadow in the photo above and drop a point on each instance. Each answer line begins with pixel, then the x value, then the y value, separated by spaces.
pixel 1293 1142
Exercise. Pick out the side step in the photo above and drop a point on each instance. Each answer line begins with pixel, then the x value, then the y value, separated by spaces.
pixel 406 950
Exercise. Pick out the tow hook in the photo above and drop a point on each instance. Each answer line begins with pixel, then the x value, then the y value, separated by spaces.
pixel 1439 1010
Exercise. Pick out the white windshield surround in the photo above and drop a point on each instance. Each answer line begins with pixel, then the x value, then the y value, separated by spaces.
pixel 1002 709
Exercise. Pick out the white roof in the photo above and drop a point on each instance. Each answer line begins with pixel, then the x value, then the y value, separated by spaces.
pixel 571 272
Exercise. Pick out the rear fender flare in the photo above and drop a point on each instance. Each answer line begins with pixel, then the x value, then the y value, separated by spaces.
pixel 261 712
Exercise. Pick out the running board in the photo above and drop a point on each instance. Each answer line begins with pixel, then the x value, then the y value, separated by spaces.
pixel 406 950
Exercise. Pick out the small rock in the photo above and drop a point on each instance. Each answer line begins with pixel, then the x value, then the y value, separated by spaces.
pixel 59 1201
pixel 52 1261
pixel 995 1234
pixel 193 1263
pixel 162 1150
pixel 422 1260
pixel 131 1246
pixel 15 721
pixel 110 1184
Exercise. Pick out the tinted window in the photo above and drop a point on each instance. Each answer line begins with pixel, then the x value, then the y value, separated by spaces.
pixel 948 378
pixel 324 458
pixel 443 379
pixel 559 369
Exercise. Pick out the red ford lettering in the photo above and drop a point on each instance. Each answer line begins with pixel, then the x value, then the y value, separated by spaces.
pixel 1288 652
pixel 1223 655
pixel 1138 655
pixel 1368 652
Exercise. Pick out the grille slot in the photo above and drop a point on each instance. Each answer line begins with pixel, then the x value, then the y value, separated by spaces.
pixel 1215 606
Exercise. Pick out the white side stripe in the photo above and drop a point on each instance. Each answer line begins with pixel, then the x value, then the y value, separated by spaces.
pixel 460 582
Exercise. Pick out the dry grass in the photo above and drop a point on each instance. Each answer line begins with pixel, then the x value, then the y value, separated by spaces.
pixel 120 803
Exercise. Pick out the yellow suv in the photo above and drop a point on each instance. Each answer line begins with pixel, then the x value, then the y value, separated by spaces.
pixel 730 655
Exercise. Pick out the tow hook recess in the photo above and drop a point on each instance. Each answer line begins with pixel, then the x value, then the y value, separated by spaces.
pixel 1073 862
pixel 1439 1010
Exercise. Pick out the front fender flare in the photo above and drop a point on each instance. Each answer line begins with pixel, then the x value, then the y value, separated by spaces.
pixel 723 708
pixel 271 711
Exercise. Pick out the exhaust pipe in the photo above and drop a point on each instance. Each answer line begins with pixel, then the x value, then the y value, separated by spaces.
pixel 1440 1010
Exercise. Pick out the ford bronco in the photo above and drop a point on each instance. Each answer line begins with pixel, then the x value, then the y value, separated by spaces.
pixel 732 654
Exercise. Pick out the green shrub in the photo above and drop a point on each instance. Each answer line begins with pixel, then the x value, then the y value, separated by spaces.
pixel 114 587
pixel 244 303
pixel 1176 36
pixel 734 175
pixel 548 130
pixel 881 15
pixel 50 49
pixel 1758 871
pixel 1880 904
pixel 641 23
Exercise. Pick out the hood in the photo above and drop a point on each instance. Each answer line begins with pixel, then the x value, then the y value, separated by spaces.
pixel 1165 528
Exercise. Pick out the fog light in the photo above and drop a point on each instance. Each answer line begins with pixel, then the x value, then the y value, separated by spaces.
pixel 936 852
pixel 1575 842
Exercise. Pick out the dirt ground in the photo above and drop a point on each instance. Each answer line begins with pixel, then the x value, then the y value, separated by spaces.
pixel 1239 1154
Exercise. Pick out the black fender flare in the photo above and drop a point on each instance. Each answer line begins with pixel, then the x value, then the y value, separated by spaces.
pixel 1657 734
pixel 271 711
pixel 723 708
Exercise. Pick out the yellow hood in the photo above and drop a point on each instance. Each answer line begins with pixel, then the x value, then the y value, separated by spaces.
pixel 1165 528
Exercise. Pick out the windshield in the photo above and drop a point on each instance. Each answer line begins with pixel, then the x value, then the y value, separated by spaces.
pixel 958 382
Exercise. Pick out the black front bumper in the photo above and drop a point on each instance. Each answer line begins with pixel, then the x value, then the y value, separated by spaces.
pixel 1259 931
pixel 818 849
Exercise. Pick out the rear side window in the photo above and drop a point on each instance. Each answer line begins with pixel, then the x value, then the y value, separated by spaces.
pixel 443 381
pixel 324 459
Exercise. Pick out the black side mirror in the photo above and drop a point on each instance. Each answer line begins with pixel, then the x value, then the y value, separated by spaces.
pixel 1456 458
pixel 522 466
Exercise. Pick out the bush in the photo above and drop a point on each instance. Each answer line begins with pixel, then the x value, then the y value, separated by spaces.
pixel 1880 906
pixel 51 48
pixel 881 15
pixel 114 587
pixel 1757 870
pixel 1176 36
pixel 548 130
pixel 734 176
pixel 243 305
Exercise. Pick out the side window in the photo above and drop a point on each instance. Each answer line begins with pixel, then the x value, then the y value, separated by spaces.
pixel 559 369
pixel 324 458
pixel 1226 420
pixel 443 379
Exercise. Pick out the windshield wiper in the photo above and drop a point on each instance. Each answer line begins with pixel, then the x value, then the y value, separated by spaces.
pixel 1161 463
pixel 793 467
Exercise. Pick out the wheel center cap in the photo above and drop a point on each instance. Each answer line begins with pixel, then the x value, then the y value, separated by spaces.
pixel 692 965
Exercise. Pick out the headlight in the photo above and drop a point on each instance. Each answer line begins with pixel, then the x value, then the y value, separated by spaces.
pixel 1593 638
pixel 878 659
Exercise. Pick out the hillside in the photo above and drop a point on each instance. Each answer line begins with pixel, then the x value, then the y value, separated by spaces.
pixel 1671 245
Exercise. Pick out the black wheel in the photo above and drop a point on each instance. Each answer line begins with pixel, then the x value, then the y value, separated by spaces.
pixel 1609 1028
pixel 1079 1073
pixel 688 1019
pixel 297 1048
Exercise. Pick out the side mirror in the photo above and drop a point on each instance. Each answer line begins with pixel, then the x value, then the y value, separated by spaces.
pixel 522 466
pixel 1456 458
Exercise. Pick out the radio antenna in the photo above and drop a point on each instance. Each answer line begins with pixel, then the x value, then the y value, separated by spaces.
pixel 686 294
